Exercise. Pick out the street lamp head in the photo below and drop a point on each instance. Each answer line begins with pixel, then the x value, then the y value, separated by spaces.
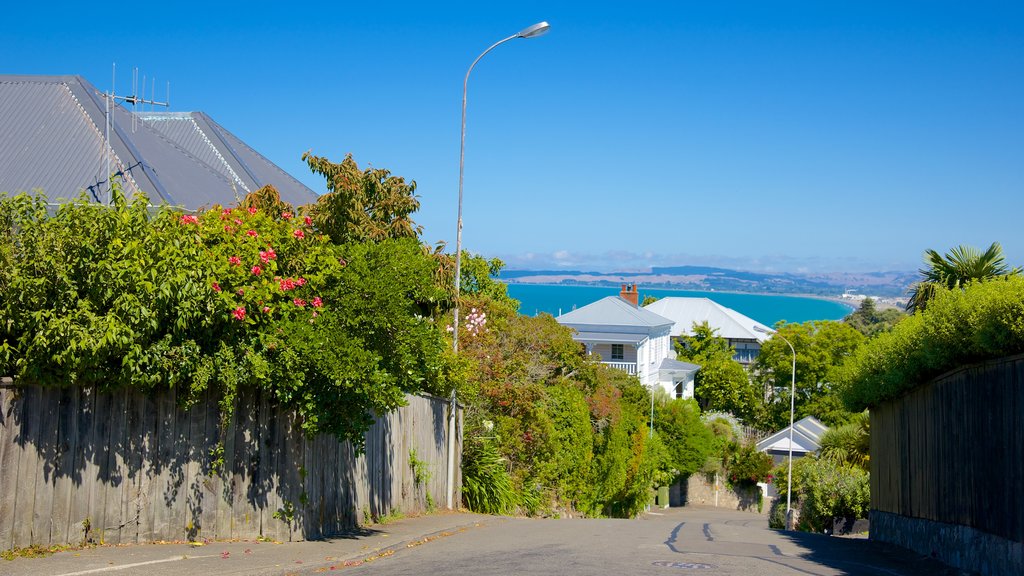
pixel 763 330
pixel 537 29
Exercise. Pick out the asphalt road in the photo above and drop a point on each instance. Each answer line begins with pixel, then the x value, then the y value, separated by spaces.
pixel 690 540
pixel 678 541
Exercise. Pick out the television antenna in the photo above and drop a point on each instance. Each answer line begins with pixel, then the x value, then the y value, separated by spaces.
pixel 136 99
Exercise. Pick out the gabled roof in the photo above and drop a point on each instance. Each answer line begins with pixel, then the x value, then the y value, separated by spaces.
pixel 727 322
pixel 54 139
pixel 677 366
pixel 807 434
pixel 615 313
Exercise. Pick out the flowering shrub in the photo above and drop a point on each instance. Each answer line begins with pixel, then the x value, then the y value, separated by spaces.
pixel 226 299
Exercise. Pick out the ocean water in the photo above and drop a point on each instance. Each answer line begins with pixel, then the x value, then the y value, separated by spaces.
pixel 766 309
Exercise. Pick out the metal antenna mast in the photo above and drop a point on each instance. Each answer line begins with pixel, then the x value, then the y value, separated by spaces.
pixel 135 100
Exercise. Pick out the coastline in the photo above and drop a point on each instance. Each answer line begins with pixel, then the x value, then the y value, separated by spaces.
pixel 853 306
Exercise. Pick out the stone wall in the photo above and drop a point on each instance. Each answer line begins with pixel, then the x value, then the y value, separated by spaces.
pixel 702 489
pixel 951 543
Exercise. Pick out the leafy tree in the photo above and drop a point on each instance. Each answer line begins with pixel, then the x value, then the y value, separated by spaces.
pixel 957 268
pixel 869 320
pixel 688 441
pixel 821 348
pixel 721 383
pixel 362 205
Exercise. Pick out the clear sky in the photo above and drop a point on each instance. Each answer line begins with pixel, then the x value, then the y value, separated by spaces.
pixel 764 135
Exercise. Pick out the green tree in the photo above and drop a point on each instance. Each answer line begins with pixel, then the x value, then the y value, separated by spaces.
pixel 849 443
pixel 721 384
pixel 821 348
pixel 956 269
pixel 869 320
pixel 362 205
pixel 688 440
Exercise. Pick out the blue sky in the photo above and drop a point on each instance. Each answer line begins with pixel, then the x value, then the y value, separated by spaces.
pixel 771 136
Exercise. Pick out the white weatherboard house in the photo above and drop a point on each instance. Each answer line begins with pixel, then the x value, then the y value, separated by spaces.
pixel 632 339
pixel 737 329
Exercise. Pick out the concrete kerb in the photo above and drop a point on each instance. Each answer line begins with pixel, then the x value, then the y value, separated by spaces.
pixel 250 557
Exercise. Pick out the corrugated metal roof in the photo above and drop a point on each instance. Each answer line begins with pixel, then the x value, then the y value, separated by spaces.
pixel 727 322
pixel 54 140
pixel 613 311
pixel 48 140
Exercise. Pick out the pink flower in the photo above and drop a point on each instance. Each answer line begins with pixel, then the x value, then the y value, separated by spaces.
pixel 299 302
pixel 234 260
pixel 299 233
pixel 237 221
pixel 287 284
pixel 286 215
pixel 189 219
pixel 251 233
pixel 239 313
pixel 252 210
pixel 229 229
pixel 267 255
pixel 256 270
pixel 301 281
pixel 308 221
pixel 241 292
pixel 266 309
pixel 317 302
pixel 216 287
pixel 225 213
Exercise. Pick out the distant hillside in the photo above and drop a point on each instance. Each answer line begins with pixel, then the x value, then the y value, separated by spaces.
pixel 885 284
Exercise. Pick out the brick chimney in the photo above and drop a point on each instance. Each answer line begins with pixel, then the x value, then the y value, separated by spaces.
pixel 629 294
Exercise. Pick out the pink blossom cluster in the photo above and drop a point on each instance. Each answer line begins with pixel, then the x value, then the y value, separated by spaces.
pixel 189 219
pixel 476 321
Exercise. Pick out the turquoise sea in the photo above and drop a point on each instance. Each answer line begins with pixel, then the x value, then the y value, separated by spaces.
pixel 767 309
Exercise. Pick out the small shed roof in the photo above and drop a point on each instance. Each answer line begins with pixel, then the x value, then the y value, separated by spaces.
pixel 728 323
pixel 807 434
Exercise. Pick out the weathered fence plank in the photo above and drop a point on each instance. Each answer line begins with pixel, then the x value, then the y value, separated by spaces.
pixel 124 467
pixel 947 467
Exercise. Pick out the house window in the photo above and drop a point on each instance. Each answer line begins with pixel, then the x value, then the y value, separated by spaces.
pixel 617 352
pixel 679 389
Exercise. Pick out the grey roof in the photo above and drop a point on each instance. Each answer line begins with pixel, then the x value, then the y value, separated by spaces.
pixel 616 337
pixel 53 139
pixel 672 365
pixel 613 311
pixel 727 322
pixel 807 434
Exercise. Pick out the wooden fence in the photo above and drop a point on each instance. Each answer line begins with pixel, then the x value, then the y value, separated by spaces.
pixel 123 467
pixel 952 451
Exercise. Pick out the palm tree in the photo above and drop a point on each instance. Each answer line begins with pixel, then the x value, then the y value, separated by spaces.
pixel 959 267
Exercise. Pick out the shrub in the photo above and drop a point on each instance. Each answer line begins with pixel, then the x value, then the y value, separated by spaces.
pixel 486 484
pixel 984 321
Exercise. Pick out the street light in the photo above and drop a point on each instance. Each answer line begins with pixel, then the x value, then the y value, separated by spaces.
pixel 792 398
pixel 537 29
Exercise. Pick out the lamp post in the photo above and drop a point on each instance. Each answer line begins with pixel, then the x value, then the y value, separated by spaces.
pixel 537 29
pixel 792 404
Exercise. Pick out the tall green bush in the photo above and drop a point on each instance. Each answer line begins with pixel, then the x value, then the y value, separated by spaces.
pixel 983 321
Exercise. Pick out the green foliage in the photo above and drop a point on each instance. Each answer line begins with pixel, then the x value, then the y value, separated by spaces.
pixel 824 491
pixel 486 485
pixel 850 443
pixel 746 466
pixel 984 320
pixel 226 300
pixel 956 269
pixel 688 440
pixel 721 384
pixel 869 320
pixel 363 205
pixel 821 348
